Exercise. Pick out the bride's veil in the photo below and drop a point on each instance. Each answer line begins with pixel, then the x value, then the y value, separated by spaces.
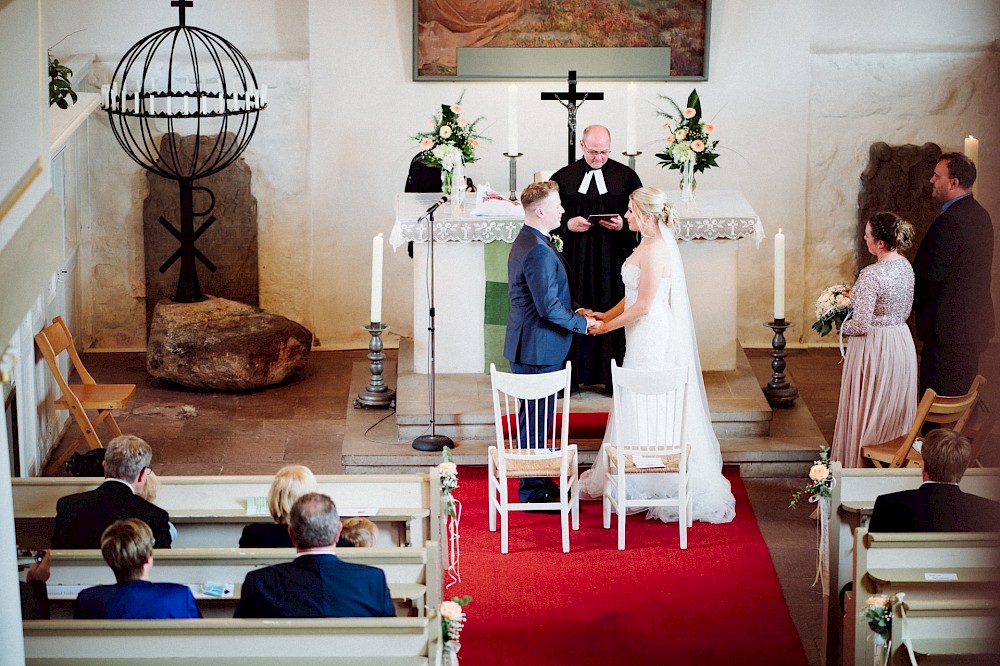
pixel 714 501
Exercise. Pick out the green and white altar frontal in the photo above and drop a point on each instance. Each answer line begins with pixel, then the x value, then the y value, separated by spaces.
pixel 470 285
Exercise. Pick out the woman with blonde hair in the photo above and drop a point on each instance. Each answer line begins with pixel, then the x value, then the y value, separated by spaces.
pixel 659 334
pixel 290 483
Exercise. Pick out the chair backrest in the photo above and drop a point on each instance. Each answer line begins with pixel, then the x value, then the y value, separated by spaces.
pixel 528 405
pixel 945 410
pixel 52 341
pixel 649 409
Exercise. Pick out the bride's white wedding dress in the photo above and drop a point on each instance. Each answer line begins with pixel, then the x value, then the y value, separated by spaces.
pixel 663 338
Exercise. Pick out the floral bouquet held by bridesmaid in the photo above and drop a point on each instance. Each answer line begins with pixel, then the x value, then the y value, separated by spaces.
pixel 832 308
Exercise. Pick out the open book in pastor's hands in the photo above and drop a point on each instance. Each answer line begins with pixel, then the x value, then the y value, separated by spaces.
pixel 596 219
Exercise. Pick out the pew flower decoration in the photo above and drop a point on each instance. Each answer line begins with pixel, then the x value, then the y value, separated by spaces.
pixel 452 621
pixel 820 480
pixel 448 473
pixel 832 307
pixel 452 138
pixel 689 143
pixel 878 612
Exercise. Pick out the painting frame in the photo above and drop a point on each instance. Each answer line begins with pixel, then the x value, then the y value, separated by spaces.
pixel 545 61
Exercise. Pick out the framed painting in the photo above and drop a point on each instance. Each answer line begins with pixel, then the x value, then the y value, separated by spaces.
pixel 491 40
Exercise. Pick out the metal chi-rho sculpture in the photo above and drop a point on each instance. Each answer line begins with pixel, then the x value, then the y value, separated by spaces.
pixel 184 81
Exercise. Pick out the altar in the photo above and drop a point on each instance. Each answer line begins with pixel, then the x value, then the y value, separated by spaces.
pixel 708 229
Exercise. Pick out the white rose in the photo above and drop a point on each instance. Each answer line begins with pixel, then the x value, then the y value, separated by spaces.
pixel 450 610
pixel 445 131
pixel 819 473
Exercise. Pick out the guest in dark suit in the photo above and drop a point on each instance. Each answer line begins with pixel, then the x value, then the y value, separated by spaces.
pixel 542 322
pixel 127 546
pixel 34 593
pixel 951 300
pixel 316 583
pixel 938 505
pixel 82 518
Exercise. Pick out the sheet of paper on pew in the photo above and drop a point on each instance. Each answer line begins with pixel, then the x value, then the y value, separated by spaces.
pixel 202 591
pixel 647 462
pixel 257 506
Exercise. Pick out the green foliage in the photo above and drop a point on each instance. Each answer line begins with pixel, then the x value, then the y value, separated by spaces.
pixel 59 86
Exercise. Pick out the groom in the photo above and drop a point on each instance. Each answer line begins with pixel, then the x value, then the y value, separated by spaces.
pixel 542 322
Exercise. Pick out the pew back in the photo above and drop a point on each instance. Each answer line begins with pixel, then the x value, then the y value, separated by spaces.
pixel 950 580
pixel 338 641
pixel 210 512
pixel 413 573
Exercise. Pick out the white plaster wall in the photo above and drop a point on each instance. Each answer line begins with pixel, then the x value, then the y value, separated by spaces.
pixel 798 90
pixel 910 72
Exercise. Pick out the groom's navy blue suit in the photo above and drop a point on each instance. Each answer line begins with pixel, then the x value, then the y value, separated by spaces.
pixel 541 323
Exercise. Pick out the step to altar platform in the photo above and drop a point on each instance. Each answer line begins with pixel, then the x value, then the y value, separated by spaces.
pixel 764 442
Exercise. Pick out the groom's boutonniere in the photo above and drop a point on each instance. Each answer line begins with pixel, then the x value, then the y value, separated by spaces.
pixel 557 243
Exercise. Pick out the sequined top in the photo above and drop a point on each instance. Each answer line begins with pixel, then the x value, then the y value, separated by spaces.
pixel 882 296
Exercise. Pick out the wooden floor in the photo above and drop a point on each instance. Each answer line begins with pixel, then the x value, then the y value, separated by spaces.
pixel 305 420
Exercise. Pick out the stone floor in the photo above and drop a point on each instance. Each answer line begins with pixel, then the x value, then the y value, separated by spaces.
pixel 307 419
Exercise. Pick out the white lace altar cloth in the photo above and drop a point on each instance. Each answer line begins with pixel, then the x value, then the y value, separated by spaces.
pixel 713 215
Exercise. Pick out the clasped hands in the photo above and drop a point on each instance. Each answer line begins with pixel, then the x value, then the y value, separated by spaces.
pixel 581 224
pixel 595 321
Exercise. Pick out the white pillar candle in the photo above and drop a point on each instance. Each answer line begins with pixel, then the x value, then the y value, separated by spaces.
pixel 779 275
pixel 170 110
pixel 106 95
pixel 972 152
pixel 152 104
pixel 630 120
pixel 377 278
pixel 137 97
pixel 185 104
pixel 263 95
pixel 512 119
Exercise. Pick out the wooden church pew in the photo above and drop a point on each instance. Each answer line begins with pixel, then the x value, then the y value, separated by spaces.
pixel 386 641
pixel 413 573
pixel 951 580
pixel 210 511
pixel 853 497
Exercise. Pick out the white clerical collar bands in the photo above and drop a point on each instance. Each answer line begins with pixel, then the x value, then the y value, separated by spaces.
pixel 593 174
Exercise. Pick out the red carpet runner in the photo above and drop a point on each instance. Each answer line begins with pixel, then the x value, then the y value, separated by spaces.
pixel 718 602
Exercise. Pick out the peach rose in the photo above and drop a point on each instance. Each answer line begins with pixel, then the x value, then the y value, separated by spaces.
pixel 462 120
pixel 426 143
pixel 670 139
pixel 689 112
pixel 709 128
pixel 819 472
pixel 697 145
pixel 455 108
pixel 474 143
pixel 450 610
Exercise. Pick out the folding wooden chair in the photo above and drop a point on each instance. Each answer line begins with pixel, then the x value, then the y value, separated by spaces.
pixel 947 411
pixel 78 398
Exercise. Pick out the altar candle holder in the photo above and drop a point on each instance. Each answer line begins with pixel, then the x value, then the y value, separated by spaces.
pixel 779 391
pixel 513 174
pixel 631 158
pixel 376 393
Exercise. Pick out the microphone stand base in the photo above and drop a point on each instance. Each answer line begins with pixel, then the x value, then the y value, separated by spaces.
pixel 432 443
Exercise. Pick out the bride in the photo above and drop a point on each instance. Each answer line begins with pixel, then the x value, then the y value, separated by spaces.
pixel 659 334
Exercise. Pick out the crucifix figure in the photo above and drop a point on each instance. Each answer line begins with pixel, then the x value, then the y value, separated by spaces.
pixel 572 100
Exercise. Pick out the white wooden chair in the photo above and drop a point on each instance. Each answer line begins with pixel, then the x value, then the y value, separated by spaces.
pixel 654 402
pixel 527 411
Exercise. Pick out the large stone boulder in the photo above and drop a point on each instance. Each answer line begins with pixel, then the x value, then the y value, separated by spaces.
pixel 222 344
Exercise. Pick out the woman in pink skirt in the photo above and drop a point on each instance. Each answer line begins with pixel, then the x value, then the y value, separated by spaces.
pixel 878 388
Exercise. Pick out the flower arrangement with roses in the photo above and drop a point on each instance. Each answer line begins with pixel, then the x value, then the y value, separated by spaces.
pixel 452 621
pixel 448 472
pixel 688 136
pixel 452 138
pixel 832 307
pixel 820 479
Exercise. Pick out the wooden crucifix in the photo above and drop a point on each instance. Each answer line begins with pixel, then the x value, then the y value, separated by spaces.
pixel 572 100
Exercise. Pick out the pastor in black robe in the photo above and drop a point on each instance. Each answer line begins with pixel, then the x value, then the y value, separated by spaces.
pixel 595 258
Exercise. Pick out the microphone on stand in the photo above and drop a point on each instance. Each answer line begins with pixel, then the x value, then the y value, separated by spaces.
pixel 435 205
